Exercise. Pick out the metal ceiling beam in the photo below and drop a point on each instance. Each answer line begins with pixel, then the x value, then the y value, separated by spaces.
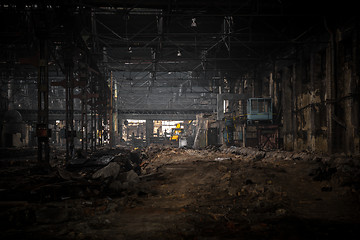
pixel 158 117
pixel 100 11
pixel 199 44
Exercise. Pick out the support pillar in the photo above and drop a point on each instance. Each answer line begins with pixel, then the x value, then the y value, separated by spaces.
pixel 220 105
pixel 111 116
pixel 42 130
pixel 93 133
pixel 100 129
pixel 287 103
pixel 330 91
pixel 84 115
pixel 149 130
pixel 120 128
pixel 244 135
pixel 296 91
pixel 312 134
pixel 69 68
pixel 355 102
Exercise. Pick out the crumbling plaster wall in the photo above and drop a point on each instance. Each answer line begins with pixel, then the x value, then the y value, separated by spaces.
pixel 316 94
pixel 306 100
pixel 347 92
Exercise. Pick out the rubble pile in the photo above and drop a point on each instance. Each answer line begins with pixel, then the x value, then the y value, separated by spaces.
pixel 29 200
pixel 253 154
pixel 171 193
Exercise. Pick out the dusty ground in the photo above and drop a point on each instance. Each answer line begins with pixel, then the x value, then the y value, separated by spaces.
pixel 226 193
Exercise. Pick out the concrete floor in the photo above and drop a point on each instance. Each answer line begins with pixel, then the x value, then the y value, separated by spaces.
pixel 169 193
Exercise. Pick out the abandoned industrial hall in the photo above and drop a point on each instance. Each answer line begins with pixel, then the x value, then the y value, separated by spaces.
pixel 179 119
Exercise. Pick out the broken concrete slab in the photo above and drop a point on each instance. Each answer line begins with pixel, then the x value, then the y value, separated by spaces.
pixel 67 175
pixel 132 177
pixel 111 170
pixel 104 160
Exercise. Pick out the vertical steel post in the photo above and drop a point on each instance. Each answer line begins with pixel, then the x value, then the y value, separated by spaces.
pixel 330 91
pixel 69 105
pixel 83 114
pixel 83 81
pixel 111 117
pixel 93 82
pixel 93 125
pixel 154 69
pixel 42 129
pixel 86 122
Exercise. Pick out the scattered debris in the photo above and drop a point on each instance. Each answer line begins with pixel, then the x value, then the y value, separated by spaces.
pixel 102 161
pixel 221 159
pixel 132 177
pixel 174 193
pixel 111 170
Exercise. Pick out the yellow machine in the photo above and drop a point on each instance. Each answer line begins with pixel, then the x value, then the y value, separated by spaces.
pixel 176 132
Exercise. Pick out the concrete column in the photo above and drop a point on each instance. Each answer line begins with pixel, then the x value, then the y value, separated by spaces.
pixel 111 113
pixel 120 127
pixel 271 85
pixel 220 105
pixel 355 102
pixel 277 92
pixel 243 135
pixel 311 134
pixel 112 120
pixel 287 110
pixel 10 90
pixel 330 92
pixel 149 130
pixel 317 137
pixel 42 128
pixel 352 103
pixel 296 89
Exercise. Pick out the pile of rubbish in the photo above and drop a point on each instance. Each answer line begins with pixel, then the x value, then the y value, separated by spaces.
pixel 216 191
pixel 105 174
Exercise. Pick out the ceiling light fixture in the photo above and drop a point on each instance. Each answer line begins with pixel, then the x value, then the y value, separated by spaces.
pixel 179 53
pixel 193 24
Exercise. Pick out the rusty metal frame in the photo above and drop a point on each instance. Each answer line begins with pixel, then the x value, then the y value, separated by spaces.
pixel 42 129
pixel 69 89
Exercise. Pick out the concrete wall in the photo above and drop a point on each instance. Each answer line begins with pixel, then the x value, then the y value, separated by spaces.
pixel 316 92
pixel 320 96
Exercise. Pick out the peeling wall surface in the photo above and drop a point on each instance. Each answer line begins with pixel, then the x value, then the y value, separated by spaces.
pixel 315 93
pixel 320 97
